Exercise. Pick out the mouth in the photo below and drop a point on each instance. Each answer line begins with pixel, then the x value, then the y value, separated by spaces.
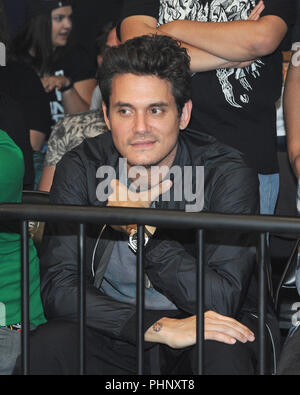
pixel 64 36
pixel 143 144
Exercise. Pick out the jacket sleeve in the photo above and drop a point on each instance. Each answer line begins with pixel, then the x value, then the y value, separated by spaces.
pixel 229 256
pixel 59 268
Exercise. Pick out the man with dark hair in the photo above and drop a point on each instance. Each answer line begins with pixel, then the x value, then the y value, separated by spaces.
pixel 147 106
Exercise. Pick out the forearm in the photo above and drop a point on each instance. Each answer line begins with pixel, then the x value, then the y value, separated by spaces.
pixel 73 103
pixel 37 139
pixel 201 60
pixel 204 61
pixel 235 40
pixel 46 178
pixel 291 105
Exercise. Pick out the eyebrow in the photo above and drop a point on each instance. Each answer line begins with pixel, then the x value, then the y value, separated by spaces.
pixel 157 104
pixel 63 15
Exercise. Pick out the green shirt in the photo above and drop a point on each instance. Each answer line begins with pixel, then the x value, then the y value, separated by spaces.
pixel 11 183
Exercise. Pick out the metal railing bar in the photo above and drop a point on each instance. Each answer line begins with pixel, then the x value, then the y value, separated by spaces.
pixel 262 306
pixel 154 217
pixel 162 218
pixel 140 298
pixel 82 297
pixel 25 319
pixel 200 303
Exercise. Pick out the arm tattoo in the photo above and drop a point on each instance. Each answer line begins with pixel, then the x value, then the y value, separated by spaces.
pixel 157 326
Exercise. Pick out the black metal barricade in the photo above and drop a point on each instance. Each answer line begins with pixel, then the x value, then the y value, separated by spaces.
pixel 154 217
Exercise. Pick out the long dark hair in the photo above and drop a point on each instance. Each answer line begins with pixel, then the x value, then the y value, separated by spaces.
pixel 37 35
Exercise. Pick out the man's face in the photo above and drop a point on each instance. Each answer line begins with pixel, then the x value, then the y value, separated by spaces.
pixel 61 25
pixel 144 120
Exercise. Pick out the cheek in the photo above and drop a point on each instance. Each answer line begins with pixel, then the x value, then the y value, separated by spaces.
pixel 119 140
pixel 54 31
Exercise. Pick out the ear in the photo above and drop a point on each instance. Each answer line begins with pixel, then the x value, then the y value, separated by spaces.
pixel 106 119
pixel 186 115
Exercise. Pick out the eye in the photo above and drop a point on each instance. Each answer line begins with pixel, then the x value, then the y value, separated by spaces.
pixel 58 18
pixel 156 110
pixel 124 111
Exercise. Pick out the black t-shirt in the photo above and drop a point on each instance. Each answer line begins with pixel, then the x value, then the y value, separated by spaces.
pixel 237 106
pixel 75 63
pixel 88 18
pixel 22 84
pixel 25 106
pixel 13 122
pixel 296 30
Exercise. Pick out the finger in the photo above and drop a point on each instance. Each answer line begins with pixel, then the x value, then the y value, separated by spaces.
pixel 50 87
pixel 119 192
pixel 257 10
pixel 131 229
pixel 157 190
pixel 128 229
pixel 229 324
pixel 240 327
pixel 219 337
pixel 233 331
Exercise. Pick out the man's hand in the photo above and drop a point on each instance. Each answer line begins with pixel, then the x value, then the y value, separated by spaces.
pixel 55 81
pixel 121 196
pixel 181 333
pixel 257 10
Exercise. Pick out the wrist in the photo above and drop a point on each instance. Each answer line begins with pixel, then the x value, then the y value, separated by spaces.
pixel 132 241
pixel 158 332
pixel 68 85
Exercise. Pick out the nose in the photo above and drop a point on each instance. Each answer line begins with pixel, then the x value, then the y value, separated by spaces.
pixel 67 23
pixel 140 124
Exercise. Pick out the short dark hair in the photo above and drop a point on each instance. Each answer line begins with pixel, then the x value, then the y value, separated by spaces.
pixel 102 36
pixel 156 55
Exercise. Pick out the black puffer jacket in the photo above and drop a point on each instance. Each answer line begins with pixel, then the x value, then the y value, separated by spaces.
pixel 230 280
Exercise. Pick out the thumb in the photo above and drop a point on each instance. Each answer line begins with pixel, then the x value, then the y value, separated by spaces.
pixel 119 191
pixel 160 189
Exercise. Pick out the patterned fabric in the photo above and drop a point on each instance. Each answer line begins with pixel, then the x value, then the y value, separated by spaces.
pixel 71 131
pixel 219 11
pixel 15 327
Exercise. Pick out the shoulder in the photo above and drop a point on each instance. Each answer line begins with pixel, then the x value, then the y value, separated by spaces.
pixel 231 185
pixel 73 124
pixel 71 131
pixel 75 176
pixel 11 168
pixel 97 150
pixel 212 153
pixel 7 145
